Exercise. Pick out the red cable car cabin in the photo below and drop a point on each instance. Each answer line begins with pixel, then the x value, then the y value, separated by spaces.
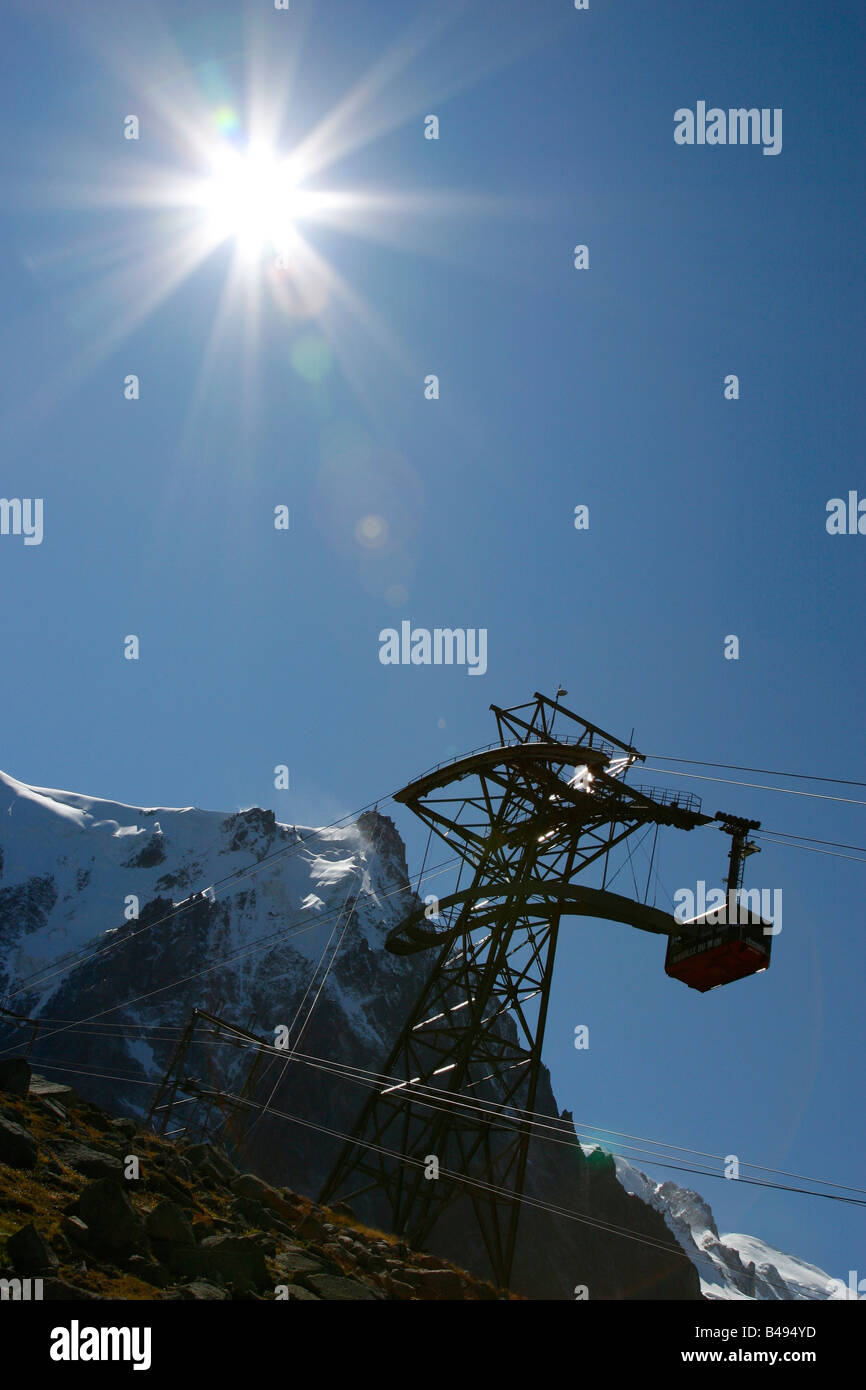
pixel 719 953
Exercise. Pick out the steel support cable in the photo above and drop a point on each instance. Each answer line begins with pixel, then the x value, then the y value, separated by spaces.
pixel 419 1091
pixel 573 1141
pixel 610 1228
pixel 610 882
pixel 316 997
pixel 97 1075
pixel 425 1095
pixel 660 885
pixel 756 786
pixel 649 872
pixel 544 1122
pixel 810 849
pixel 787 835
pixel 424 860
pixel 767 771
pixel 537 1118
pixel 319 963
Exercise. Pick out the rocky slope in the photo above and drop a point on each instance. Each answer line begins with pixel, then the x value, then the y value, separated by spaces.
pixel 95 1207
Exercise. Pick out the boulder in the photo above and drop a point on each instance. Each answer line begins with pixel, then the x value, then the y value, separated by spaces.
pixel 334 1288
pixel 41 1086
pixel 208 1156
pixel 110 1217
pixel 29 1251
pixel 165 1186
pixel 49 1107
pixel 125 1126
pixel 208 1173
pixel 175 1165
pixel 90 1163
pixel 246 1211
pixel 167 1225
pixel 310 1228
pixel 74 1229
pixel 290 1266
pixel 17 1148
pixel 254 1189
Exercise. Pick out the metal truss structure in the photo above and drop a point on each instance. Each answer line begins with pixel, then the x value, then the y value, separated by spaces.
pixel 528 816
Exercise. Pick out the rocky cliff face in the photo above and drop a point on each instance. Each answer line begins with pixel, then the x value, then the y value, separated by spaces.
pixel 286 905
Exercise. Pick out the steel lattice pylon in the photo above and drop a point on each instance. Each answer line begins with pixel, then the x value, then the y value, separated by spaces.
pixel 527 816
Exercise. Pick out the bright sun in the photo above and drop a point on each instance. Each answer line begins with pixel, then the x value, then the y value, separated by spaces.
pixel 252 198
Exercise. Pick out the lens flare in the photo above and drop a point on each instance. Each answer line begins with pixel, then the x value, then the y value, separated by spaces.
pixel 226 120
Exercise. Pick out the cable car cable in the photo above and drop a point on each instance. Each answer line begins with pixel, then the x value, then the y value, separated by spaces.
pixel 538 1118
pixel 767 771
pixel 756 786
pixel 810 849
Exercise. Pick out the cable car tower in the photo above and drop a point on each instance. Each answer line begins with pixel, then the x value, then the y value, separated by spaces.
pixel 528 817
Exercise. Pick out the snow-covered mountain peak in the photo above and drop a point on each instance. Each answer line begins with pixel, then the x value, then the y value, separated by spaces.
pixel 730 1266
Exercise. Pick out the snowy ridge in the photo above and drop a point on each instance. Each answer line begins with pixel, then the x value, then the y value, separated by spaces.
pixel 730 1266
pixel 75 870
pixel 70 864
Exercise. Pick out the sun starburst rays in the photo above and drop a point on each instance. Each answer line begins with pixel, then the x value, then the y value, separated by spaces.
pixel 229 185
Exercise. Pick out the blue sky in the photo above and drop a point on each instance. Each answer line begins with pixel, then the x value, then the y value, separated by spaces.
pixel 557 387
